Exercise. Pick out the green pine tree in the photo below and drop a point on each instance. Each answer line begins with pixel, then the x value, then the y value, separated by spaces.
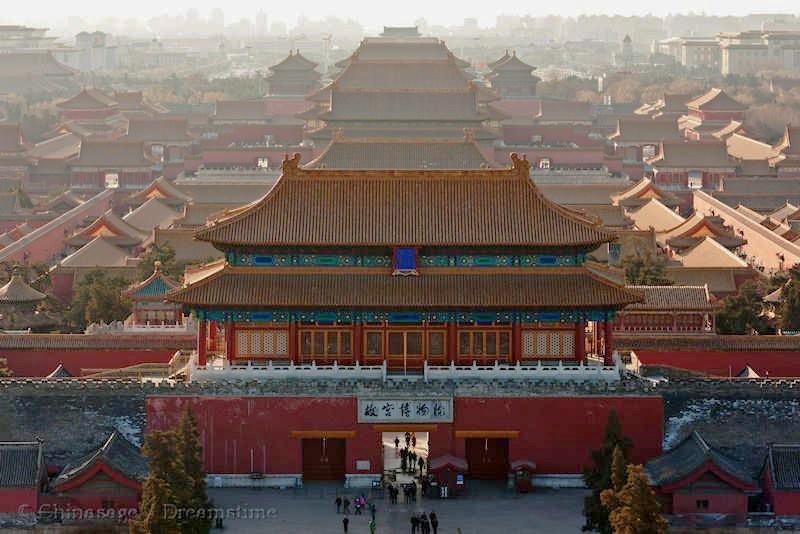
pixel 598 475
pixel 645 270
pixel 193 495
pixel 742 312
pixel 156 499
pixel 790 295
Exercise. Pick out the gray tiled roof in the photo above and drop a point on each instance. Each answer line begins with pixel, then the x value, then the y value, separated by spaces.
pixel 20 464
pixel 692 453
pixel 784 461
pixel 117 453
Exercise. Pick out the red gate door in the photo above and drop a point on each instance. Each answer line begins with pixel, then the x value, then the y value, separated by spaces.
pixel 487 458
pixel 324 459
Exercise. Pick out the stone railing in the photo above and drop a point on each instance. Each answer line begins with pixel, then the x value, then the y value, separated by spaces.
pixel 188 326
pixel 222 370
pixel 541 371
pixel 268 371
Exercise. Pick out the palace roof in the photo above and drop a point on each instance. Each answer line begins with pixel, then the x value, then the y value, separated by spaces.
pixel 491 207
pixel 112 154
pixel 787 211
pixel 99 252
pixel 60 372
pixel 511 63
pixel 564 111
pixel 655 215
pixel 32 65
pixel 17 291
pixel 154 288
pixel 111 226
pixel 62 203
pixel 159 130
pixel 715 100
pixel 239 110
pixel 692 455
pixel 492 64
pixel 162 189
pixel 641 192
pixel 116 453
pixel 684 154
pixel 439 105
pixel 88 99
pixel 709 253
pixel 152 214
pixel 21 464
pixel 645 131
pixel 347 153
pixel 64 146
pixel 556 288
pixel 696 227
pixel 670 298
pixel 11 138
pixel 729 129
pixel 387 49
pixel 783 462
pixel 294 61
pixel 369 75
pixel 746 148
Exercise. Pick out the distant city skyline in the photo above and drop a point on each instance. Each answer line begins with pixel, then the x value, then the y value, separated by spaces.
pixel 374 15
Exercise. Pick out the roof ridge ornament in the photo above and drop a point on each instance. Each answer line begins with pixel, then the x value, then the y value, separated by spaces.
pixel 521 164
pixel 290 166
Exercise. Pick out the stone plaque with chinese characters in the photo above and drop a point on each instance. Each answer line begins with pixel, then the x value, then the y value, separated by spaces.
pixel 405 410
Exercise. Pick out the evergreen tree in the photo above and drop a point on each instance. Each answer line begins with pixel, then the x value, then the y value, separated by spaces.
pixel 742 312
pixel 598 475
pixel 192 495
pixel 165 254
pixel 619 476
pixel 158 497
pixel 645 271
pixel 98 298
pixel 635 507
pixel 790 295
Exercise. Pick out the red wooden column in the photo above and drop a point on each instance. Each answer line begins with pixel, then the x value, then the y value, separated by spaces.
pixel 201 342
pixel 580 340
pixel 358 343
pixel 230 341
pixel 609 343
pixel 212 335
pixel 452 342
pixel 516 341
pixel 293 341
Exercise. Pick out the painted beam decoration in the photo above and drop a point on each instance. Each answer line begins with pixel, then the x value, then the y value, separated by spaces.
pixel 350 317
pixel 381 410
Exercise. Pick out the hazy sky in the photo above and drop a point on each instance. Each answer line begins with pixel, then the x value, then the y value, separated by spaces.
pixel 375 13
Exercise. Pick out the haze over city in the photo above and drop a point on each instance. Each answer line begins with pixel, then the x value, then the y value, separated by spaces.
pixel 326 268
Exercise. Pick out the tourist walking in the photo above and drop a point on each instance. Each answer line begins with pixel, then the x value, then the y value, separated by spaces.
pixel 434 522
pixel 408 439
pixel 372 526
pixel 414 523
pixel 345 522
pixel 338 505
pixel 425 524
pixel 396 442
pixel 372 510
pixel 346 504
pixel 413 441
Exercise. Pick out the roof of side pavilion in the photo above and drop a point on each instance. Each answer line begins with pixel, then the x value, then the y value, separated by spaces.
pixel 384 208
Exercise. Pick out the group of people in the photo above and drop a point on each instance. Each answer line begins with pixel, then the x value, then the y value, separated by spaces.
pixel 361 503
pixel 424 523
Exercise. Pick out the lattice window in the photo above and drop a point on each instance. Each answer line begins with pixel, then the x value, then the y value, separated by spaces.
pixel 281 342
pixel 243 342
pixel 541 344
pixel 257 343
pixel 554 345
pixel 568 345
pixel 528 343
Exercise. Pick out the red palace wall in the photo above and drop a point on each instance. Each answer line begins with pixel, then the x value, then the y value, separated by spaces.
pixel 13 500
pixel 31 363
pixel 734 503
pixel 555 432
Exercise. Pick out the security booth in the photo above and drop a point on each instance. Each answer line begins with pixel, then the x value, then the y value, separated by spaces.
pixel 449 473
pixel 522 473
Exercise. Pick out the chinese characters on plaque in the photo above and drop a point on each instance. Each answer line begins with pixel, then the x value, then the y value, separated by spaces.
pixel 409 410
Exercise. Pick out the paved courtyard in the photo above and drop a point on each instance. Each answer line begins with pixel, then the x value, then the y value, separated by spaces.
pixel 311 510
